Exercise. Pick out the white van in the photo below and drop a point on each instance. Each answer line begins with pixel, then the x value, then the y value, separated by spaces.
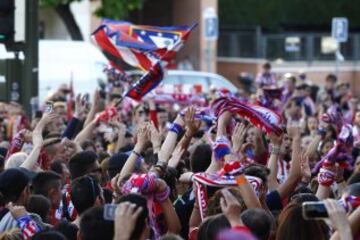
pixel 61 61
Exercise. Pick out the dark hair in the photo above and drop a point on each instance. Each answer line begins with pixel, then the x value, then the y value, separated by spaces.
pixel 69 230
pixel 293 226
pixel 267 65
pixel 331 77
pixel 304 197
pixel 214 207
pixel 88 143
pixel 13 182
pixel 81 163
pixel 84 191
pixel 200 159
pixel 139 201
pixel 93 226
pixel 49 235
pixel 258 221
pixel 56 166
pixel 257 170
pixel 44 181
pixel 211 227
pixel 40 205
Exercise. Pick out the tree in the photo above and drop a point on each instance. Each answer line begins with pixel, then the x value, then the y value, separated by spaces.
pixel 113 9
pixel 118 9
pixel 62 8
pixel 288 15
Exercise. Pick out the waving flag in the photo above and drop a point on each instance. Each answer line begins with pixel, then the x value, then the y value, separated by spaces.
pixel 261 117
pixel 140 46
pixel 147 83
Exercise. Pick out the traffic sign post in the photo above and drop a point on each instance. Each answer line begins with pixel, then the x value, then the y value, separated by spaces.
pixel 340 32
pixel 211 33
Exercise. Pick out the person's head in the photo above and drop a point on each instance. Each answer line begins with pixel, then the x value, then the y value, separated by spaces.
pixel 54 148
pixel 85 193
pixel 357 119
pixel 140 114
pixel 14 186
pixel 292 225
pixel 49 185
pixel 162 116
pixel 60 168
pixel 40 205
pixel 60 109
pixel 290 82
pixel 258 221
pixel 142 229
pixel 326 146
pixel 330 82
pixel 88 145
pixel 69 230
pixel 84 163
pixel 312 123
pixel 214 207
pixel 266 67
pixel 261 172
pixel 285 148
pixel 212 226
pixel 116 163
pixel 200 158
pixel 49 235
pixel 93 226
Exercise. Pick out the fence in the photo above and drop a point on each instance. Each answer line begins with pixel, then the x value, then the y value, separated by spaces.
pixel 286 46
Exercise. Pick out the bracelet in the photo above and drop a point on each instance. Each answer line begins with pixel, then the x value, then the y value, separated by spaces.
pixel 136 153
pixel 275 151
pixel 176 128
pixel 161 165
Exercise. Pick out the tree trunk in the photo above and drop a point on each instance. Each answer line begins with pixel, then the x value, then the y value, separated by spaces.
pixel 68 18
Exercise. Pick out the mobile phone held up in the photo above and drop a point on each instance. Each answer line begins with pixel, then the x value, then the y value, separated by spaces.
pixel 109 211
pixel 314 210
pixel 49 106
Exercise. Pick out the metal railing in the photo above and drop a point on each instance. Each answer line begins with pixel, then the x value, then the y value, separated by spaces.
pixel 308 47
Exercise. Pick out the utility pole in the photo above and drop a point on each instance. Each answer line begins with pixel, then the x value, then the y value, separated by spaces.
pixel 30 83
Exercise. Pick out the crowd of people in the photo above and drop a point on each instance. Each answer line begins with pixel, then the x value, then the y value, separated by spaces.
pixel 103 167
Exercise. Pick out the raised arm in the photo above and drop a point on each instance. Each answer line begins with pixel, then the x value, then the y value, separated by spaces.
pixel 295 169
pixel 273 161
pixel 143 136
pixel 31 160
pixel 171 138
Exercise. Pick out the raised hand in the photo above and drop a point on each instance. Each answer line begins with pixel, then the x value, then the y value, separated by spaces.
pixel 238 137
pixel 191 123
pixel 126 215
pixel 230 206
pixel 80 107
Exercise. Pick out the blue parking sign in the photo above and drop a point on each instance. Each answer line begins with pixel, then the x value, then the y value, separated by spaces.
pixel 211 28
pixel 340 29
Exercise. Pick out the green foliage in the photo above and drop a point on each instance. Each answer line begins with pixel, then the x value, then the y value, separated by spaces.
pixel 274 13
pixel 55 3
pixel 118 9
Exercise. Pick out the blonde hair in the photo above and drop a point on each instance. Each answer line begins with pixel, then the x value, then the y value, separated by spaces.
pixel 13 234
